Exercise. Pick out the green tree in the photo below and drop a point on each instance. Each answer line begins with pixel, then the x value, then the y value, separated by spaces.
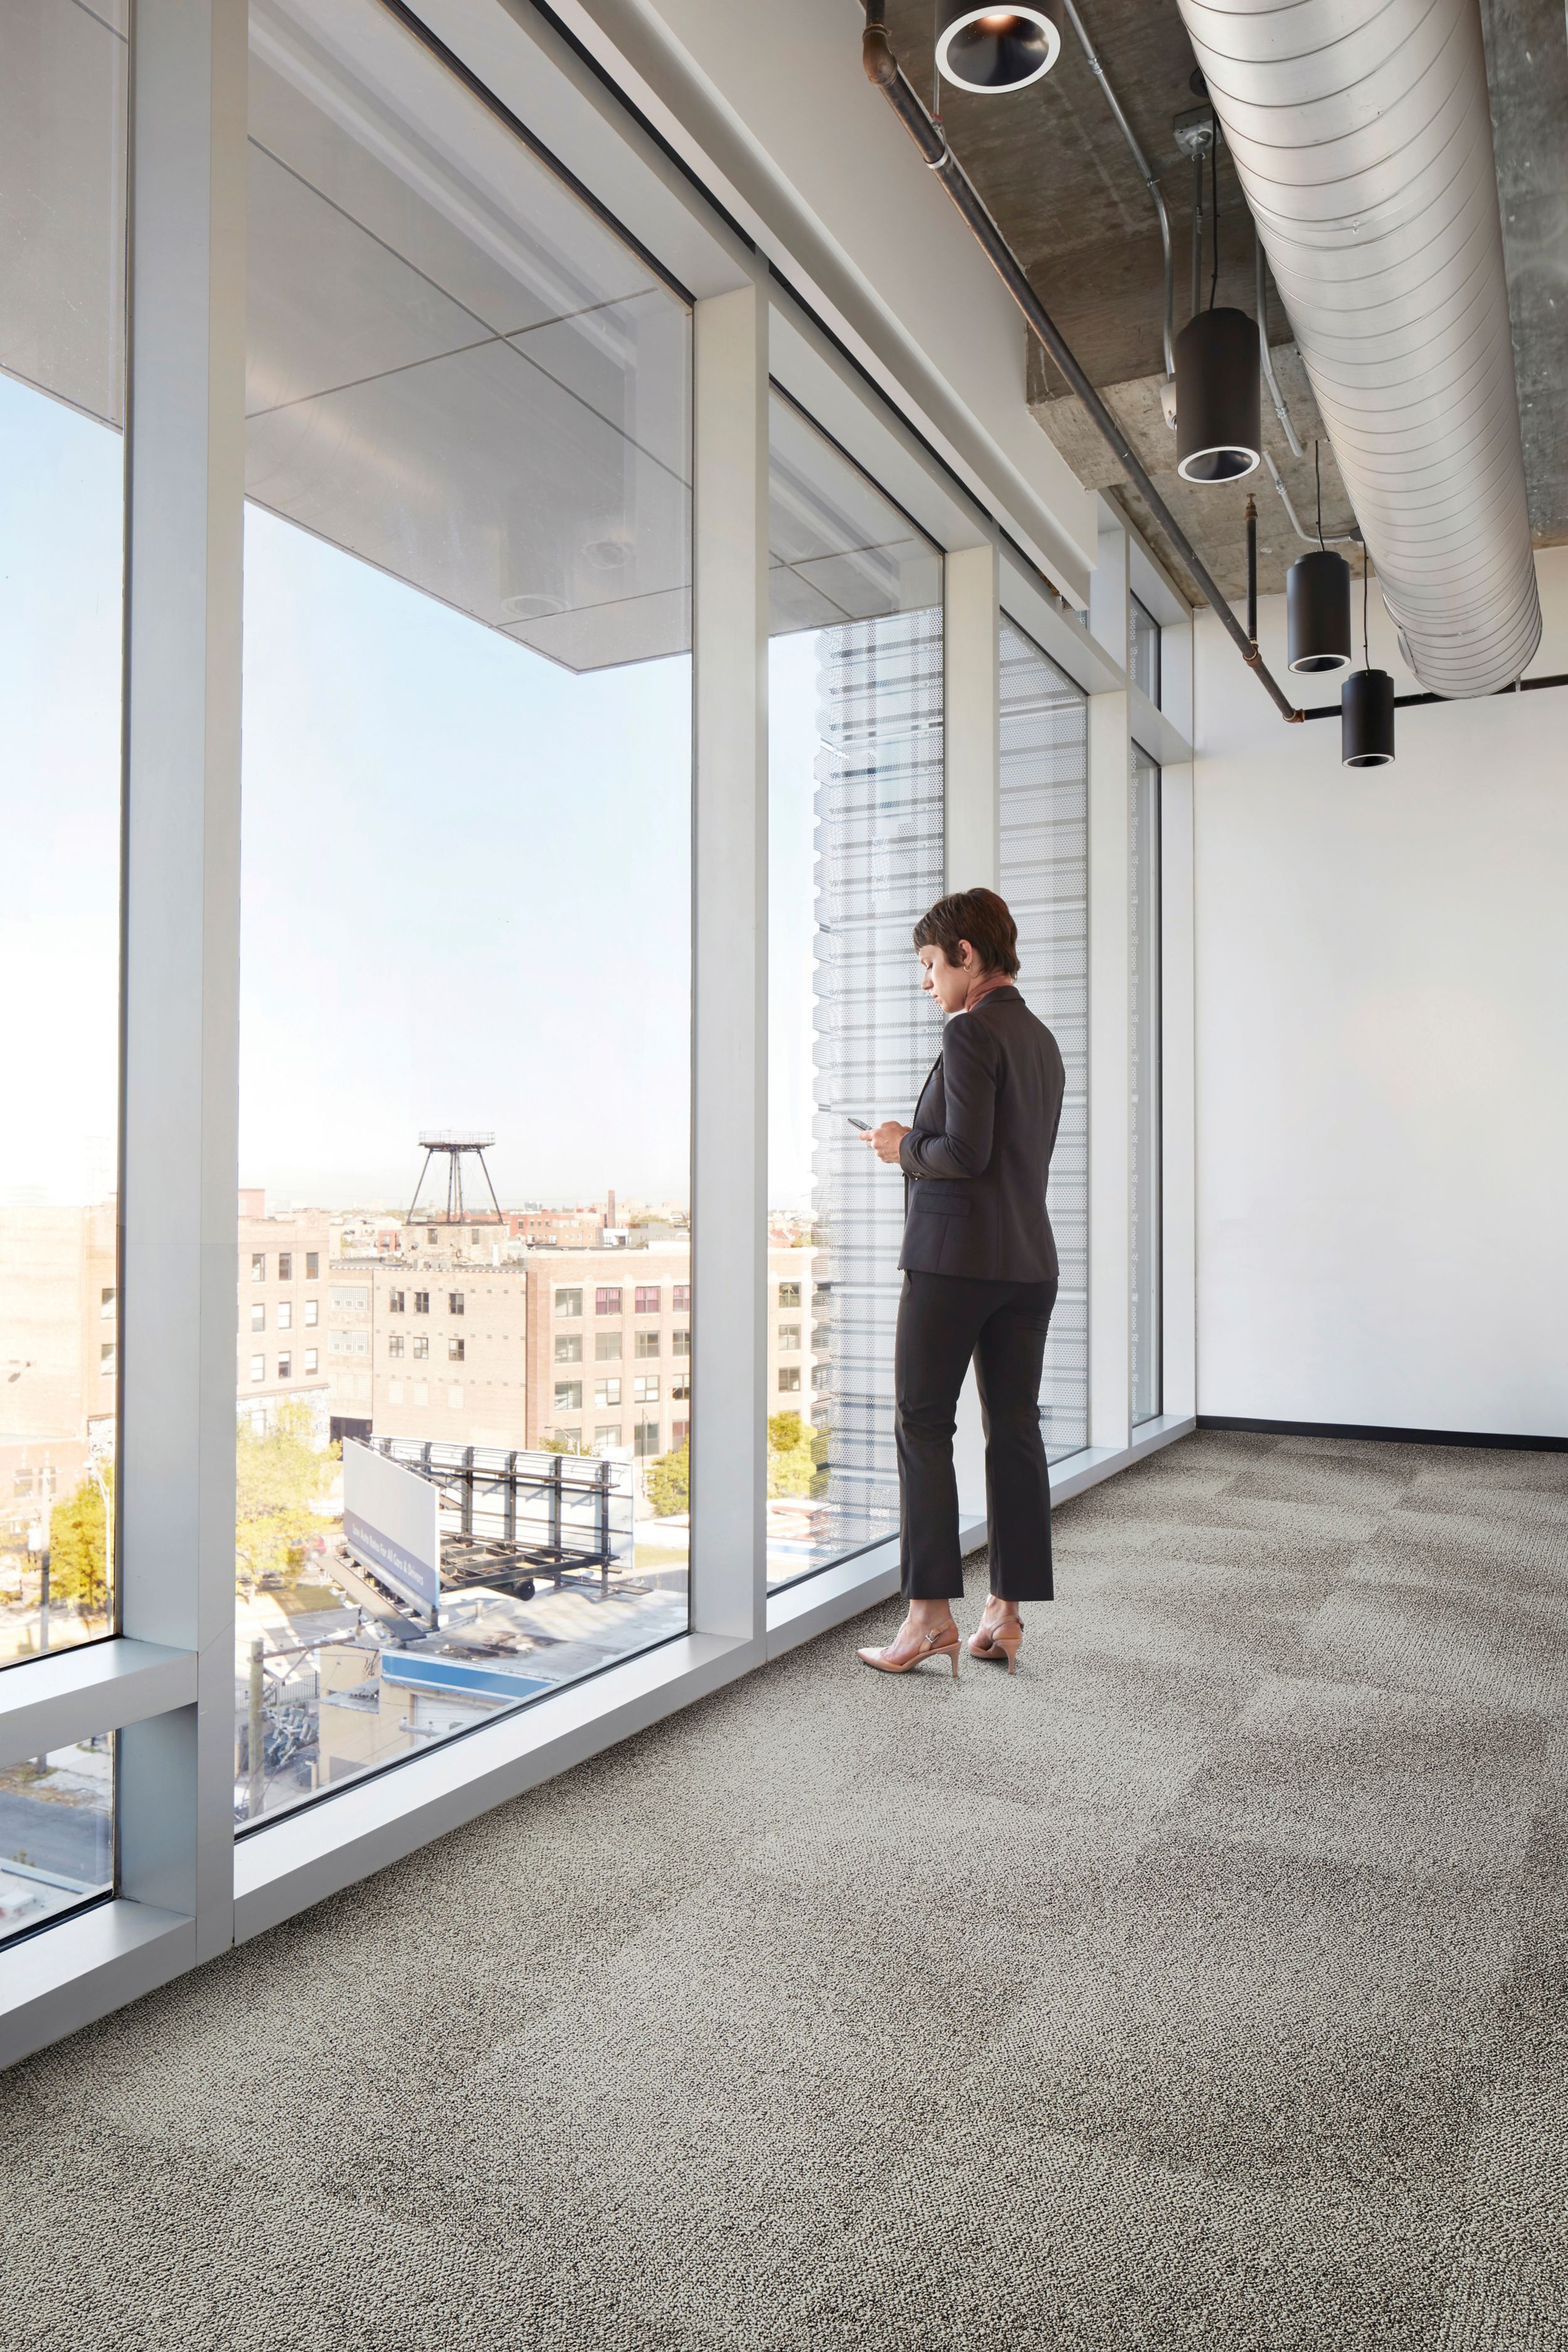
pixel 790 1465
pixel 281 1475
pixel 563 1442
pixel 79 1545
pixel 669 1482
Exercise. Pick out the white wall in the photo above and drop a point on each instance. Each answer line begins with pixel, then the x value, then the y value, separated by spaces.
pixel 1381 1050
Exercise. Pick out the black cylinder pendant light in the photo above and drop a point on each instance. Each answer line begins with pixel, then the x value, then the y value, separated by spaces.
pixel 1366 719
pixel 1318 611
pixel 1219 429
pixel 991 49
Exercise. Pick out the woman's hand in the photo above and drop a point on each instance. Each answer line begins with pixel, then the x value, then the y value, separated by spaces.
pixel 885 1140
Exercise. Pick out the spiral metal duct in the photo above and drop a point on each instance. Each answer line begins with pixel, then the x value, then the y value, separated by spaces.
pixel 1361 134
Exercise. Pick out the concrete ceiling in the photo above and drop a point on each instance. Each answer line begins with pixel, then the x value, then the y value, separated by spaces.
pixel 1057 174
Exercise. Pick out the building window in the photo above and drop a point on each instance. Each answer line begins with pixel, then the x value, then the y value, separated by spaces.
pixel 789 1338
pixel 395 1343
pixel 648 1298
pixel 259 1318
pixel 606 1302
pixel 645 1439
pixel 394 1303
pixel 22 1483
pixel 421 1346
pixel 1144 1065
pixel 679 1431
pixel 680 1387
pixel 680 1343
pixel 854 739
pixel 285 1368
pixel 645 1389
pixel 108 1301
pixel 258 1368
pixel 285 1265
pixel 259 1266
pixel 484 508
pixel 821 1376
pixel 568 1346
pixel 1145 650
pixel 312 1266
pixel 108 1356
pixel 789 1379
pixel 606 1434
pixel 645 1343
pixel 607 1392
pixel 607 1347
pixel 285 1315
pixel 455 1348
pixel 680 1298
pixel 1044 878
pixel 311 1361
pixel 313 1313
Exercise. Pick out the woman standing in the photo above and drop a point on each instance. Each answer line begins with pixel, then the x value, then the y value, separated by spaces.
pixel 980 1282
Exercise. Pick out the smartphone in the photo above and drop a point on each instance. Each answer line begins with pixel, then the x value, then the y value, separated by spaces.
pixel 863 1124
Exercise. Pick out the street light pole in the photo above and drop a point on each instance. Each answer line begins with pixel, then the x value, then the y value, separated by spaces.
pixel 256 1733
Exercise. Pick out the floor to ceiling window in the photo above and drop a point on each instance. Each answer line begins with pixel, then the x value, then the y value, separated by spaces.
pixel 1144 1067
pixel 1145 635
pixel 855 841
pixel 62 402
pixel 464 1347
pixel 1044 876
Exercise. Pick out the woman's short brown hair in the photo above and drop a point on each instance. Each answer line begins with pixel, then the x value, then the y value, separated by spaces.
pixel 981 918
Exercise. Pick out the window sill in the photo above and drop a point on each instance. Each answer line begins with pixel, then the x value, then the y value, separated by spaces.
pixel 70 1694
pixel 68 1974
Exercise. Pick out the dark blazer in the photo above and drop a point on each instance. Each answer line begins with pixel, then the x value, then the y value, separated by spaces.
pixel 976 1155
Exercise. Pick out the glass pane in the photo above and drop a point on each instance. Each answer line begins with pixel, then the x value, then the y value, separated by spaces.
pixel 63 300
pixel 466 1001
pixel 855 787
pixel 56 1833
pixel 1045 871
pixel 1145 1071
pixel 1145 650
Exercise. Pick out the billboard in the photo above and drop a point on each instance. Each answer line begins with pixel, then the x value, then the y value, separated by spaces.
pixel 391 1521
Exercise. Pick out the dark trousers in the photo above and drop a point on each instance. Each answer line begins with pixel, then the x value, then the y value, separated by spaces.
pixel 944 1319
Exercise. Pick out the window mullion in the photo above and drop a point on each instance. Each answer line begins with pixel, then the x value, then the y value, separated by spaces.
pixel 185 500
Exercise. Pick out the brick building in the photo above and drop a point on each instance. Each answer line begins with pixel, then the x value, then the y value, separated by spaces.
pixel 594 1346
pixel 281 1343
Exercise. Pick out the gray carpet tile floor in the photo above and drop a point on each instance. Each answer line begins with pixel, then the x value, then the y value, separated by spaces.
pixel 1205 1985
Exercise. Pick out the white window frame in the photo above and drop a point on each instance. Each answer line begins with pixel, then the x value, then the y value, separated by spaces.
pixel 165 1681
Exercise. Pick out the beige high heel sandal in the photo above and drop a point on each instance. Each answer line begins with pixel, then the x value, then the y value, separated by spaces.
pixel 940 1644
pixel 997 1642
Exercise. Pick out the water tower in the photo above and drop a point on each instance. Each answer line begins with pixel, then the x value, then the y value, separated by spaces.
pixel 454 1145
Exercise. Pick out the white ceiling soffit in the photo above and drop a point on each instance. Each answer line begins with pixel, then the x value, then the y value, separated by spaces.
pixel 771 108
pixel 1363 137
pixel 62 248
pixel 837 549
pixel 455 372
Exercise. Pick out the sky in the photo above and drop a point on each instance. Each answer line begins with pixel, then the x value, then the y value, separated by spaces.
pixel 466 871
